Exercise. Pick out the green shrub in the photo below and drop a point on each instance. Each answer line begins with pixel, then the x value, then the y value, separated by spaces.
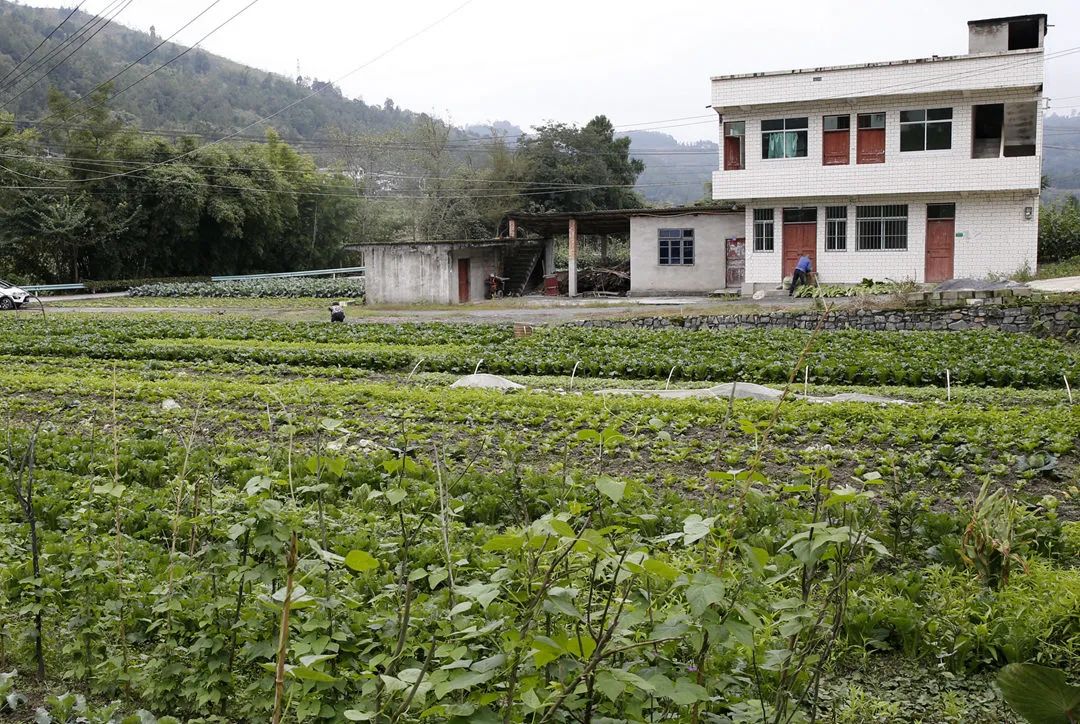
pixel 948 615
pixel 122 285
pixel 257 288
pixel 1059 229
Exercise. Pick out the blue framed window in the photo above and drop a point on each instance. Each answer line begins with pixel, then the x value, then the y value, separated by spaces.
pixel 675 247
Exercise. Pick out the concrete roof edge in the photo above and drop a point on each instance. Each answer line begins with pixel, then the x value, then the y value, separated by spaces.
pixel 876 64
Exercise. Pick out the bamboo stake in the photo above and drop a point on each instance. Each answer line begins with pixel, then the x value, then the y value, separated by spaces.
pixel 283 634
pixel 806 382
pixel 1067 388
pixel 948 385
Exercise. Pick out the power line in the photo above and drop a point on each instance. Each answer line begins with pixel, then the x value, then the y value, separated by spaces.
pixel 463 144
pixel 62 45
pixel 390 176
pixel 44 40
pixel 314 93
pixel 129 66
pixel 349 195
pixel 175 58
pixel 68 56
pixel 532 188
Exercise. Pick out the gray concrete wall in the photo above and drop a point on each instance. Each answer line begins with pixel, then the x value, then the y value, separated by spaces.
pixel 706 274
pixel 409 274
pixel 988 38
pixel 425 273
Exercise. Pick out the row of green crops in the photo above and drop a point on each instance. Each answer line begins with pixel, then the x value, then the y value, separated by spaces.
pixel 344 288
pixel 535 557
pixel 979 358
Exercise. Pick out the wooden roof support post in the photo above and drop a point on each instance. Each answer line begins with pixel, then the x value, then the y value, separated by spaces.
pixel 572 245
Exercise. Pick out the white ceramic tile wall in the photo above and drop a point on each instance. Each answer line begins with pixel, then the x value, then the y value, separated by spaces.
pixel 996 239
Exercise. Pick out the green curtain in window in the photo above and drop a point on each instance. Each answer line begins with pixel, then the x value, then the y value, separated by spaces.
pixel 791 140
pixel 776 145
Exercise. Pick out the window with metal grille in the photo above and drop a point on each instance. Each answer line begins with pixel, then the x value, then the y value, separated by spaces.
pixel 676 247
pixel 836 228
pixel 784 137
pixel 882 228
pixel 926 130
pixel 763 230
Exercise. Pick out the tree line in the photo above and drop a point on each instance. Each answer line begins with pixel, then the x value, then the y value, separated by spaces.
pixel 90 197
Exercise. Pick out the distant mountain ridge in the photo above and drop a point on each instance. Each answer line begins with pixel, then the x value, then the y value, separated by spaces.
pixel 201 92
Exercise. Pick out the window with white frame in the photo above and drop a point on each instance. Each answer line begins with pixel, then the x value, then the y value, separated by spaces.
pixel 882 228
pixel 763 230
pixel 784 137
pixel 926 130
pixel 676 247
pixel 835 228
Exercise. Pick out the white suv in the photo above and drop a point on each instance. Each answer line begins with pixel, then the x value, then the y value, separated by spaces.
pixel 11 297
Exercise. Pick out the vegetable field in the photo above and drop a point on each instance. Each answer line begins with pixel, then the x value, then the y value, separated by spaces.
pixel 229 520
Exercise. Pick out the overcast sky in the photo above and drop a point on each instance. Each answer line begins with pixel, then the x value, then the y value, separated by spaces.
pixel 569 60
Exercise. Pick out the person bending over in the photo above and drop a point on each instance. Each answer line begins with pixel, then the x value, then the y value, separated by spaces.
pixel 801 275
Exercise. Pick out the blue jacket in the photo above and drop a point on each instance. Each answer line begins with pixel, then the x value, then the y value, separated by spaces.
pixel 804 264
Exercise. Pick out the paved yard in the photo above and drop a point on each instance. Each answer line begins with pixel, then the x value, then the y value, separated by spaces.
pixel 1060 284
pixel 529 310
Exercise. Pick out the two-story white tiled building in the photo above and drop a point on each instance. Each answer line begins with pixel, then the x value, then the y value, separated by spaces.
pixel 924 169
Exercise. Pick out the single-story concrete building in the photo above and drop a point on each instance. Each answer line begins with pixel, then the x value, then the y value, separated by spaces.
pixel 681 250
pixel 449 272
pixel 678 250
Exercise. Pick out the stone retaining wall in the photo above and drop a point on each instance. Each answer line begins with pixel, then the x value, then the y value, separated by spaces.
pixel 1052 319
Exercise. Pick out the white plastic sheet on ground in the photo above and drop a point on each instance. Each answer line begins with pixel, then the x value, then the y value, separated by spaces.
pixel 749 391
pixel 487 382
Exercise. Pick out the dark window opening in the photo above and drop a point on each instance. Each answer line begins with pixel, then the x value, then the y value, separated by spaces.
pixel 1023 34
pixel 805 215
pixel 1004 129
pixel 872 120
pixel 784 137
pixel 675 246
pixel 940 211
pixel 988 122
pixel 763 230
pixel 929 130
pixel 836 123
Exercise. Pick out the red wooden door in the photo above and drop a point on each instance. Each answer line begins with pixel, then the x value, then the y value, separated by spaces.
pixel 463 291
pixel 733 160
pixel 736 262
pixel 834 148
pixel 870 145
pixel 800 239
pixel 940 241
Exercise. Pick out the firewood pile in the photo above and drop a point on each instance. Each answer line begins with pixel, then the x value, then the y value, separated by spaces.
pixel 612 280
